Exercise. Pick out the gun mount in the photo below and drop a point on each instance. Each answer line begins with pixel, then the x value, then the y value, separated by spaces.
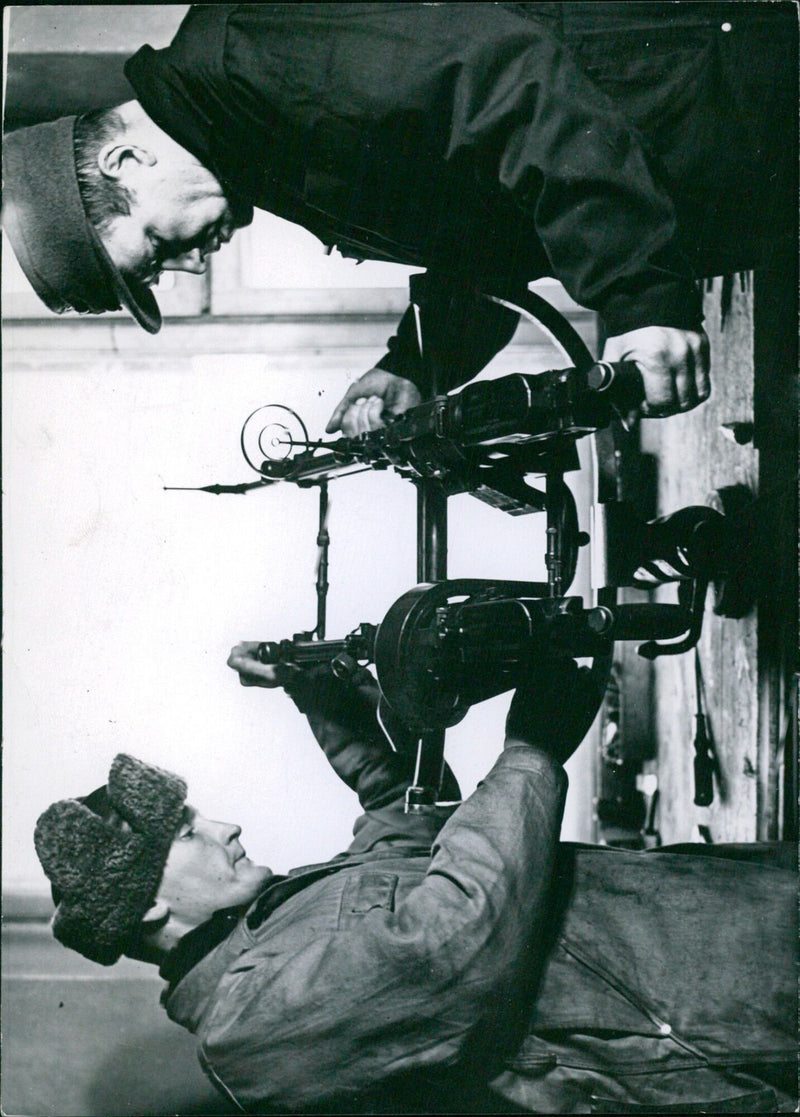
pixel 448 644
pixel 445 646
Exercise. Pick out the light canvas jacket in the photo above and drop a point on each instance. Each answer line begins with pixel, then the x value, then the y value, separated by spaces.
pixel 496 964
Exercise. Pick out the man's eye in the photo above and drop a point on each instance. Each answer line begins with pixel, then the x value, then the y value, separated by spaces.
pixel 186 833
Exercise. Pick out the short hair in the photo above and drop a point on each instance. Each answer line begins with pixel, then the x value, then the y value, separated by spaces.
pixel 103 198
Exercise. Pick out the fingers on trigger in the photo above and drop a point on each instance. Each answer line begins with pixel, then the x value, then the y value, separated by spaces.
pixel 373 412
pixel 349 419
pixel 365 415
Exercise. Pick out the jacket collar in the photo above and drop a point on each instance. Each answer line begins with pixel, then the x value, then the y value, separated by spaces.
pixel 194 968
pixel 197 944
pixel 205 953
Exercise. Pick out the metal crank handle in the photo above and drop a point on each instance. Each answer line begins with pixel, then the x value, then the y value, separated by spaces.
pixel 343 656
pixel 311 653
pixel 299 652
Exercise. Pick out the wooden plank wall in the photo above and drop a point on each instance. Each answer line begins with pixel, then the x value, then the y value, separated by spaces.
pixel 746 663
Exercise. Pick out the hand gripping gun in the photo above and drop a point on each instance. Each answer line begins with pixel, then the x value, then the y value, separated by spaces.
pixel 447 644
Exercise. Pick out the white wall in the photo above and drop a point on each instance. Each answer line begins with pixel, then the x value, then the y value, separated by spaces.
pixel 123 600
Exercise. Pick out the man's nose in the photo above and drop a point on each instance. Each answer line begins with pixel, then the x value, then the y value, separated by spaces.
pixel 193 261
pixel 231 832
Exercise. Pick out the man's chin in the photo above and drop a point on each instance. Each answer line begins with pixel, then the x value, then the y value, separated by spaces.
pixel 260 876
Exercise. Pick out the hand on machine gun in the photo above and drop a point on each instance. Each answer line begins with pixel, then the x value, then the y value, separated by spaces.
pixel 483 439
pixel 272 664
pixel 674 366
pixel 374 398
pixel 553 708
pixel 253 671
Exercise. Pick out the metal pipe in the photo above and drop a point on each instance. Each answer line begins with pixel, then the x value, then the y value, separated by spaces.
pixel 323 542
pixel 424 791
pixel 555 515
pixel 431 567
pixel 431 531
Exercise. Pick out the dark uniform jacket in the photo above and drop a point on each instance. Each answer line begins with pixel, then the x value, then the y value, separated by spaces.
pixel 623 148
pixel 486 967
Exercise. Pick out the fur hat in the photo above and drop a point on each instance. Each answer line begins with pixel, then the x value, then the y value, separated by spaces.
pixel 104 855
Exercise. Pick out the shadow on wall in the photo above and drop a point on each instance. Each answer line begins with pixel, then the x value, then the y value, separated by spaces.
pixel 155 1076
pixel 83 1041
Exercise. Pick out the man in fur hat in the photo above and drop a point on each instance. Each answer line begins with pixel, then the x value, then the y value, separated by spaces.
pixel 469 963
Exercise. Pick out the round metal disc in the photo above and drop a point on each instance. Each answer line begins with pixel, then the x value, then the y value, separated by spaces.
pixel 270 434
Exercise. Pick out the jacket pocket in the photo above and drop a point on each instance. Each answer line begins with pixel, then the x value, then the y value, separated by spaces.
pixel 364 891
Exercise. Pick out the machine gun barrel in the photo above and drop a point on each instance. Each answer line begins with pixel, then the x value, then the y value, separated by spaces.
pixel 507 632
pixel 454 438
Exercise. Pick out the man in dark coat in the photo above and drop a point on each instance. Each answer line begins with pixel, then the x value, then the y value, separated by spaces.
pixel 468 963
pixel 626 149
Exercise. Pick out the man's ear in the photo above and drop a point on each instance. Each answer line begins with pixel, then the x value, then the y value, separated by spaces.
pixel 115 158
pixel 157 913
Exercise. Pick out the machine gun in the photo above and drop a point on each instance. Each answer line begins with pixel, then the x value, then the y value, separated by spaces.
pixel 448 644
pixel 483 440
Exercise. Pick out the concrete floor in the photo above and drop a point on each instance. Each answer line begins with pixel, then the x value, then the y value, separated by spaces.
pixel 81 1040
